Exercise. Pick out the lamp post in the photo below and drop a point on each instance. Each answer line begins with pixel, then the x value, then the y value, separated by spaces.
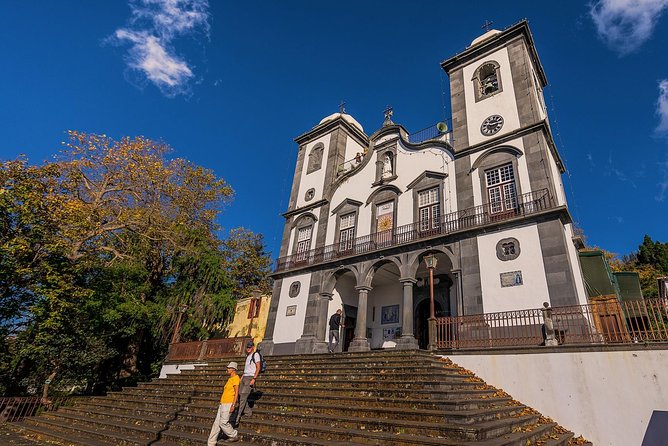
pixel 430 260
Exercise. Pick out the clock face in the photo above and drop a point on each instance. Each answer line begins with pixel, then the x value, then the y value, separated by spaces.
pixel 491 125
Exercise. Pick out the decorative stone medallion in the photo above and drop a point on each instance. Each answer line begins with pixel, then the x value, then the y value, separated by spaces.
pixel 508 249
pixel 294 288
pixel 308 196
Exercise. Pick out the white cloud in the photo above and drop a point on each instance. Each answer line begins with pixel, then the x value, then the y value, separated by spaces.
pixel 152 28
pixel 663 185
pixel 662 108
pixel 626 24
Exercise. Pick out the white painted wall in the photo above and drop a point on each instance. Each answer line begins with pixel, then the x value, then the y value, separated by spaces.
pixel 533 292
pixel 559 183
pixel 315 179
pixel 379 297
pixel 176 369
pixel 606 396
pixel 409 165
pixel 503 103
pixel 290 328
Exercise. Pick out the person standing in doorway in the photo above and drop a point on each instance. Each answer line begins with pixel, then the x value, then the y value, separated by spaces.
pixel 227 402
pixel 334 325
pixel 251 371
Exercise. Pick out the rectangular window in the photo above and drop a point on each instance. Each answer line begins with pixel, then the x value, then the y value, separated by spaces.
pixel 303 242
pixel 429 209
pixel 254 308
pixel 501 189
pixel 346 232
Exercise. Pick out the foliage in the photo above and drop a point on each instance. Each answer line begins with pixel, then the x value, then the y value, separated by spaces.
pixel 100 250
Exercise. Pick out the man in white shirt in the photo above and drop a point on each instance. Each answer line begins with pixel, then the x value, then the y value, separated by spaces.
pixel 251 371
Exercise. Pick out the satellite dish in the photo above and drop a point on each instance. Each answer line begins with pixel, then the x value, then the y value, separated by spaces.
pixel 442 127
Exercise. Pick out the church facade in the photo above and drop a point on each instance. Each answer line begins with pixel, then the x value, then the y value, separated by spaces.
pixel 485 199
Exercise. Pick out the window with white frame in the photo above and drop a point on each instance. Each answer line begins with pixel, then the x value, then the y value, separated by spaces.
pixel 346 231
pixel 304 242
pixel 501 189
pixel 429 209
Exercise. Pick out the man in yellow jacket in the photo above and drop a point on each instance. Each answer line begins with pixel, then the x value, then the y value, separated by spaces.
pixel 227 402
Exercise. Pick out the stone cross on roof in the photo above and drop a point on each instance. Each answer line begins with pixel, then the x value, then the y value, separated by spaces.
pixel 388 116
pixel 342 107
pixel 487 25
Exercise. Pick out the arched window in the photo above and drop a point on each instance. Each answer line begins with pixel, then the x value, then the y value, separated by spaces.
pixel 315 158
pixel 487 80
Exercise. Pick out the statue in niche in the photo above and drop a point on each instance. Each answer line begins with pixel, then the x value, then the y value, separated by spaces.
pixel 388 169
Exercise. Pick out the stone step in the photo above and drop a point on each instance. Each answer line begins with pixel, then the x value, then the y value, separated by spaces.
pixel 46 434
pixel 152 420
pixel 96 435
pixel 126 427
pixel 155 410
pixel 132 403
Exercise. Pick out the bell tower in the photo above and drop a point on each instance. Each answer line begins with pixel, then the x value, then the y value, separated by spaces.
pixel 504 149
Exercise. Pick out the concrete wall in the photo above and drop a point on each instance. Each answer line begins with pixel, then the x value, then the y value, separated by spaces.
pixel 607 396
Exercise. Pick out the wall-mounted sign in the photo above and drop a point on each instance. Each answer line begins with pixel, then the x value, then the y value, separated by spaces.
pixel 513 278
pixel 390 315
pixel 291 310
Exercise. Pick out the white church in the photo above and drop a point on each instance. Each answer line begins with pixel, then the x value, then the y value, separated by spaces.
pixel 483 198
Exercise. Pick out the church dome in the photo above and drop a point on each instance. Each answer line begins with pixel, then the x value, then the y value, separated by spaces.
pixel 487 35
pixel 345 116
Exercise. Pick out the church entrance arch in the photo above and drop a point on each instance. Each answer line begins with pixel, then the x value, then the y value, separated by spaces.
pixel 344 297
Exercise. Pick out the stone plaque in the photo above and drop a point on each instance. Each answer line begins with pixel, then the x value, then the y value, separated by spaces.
pixel 513 278
pixel 294 288
pixel 291 310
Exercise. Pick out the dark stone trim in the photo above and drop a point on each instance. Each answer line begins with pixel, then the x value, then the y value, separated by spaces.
pixel 315 158
pixel 329 126
pixel 507 149
pixel 284 348
pixel 302 209
pixel 477 82
pixel 381 196
pixel 388 130
pixel 296 179
pixel 518 30
pixel 470 276
pixel 273 309
pixel 526 98
pixel 380 162
pixel 346 206
pixel 458 103
pixel 559 272
pixel 425 177
pixel 541 126
pixel 493 161
pixel 382 189
pixel 540 173
pixel 299 221
pixel 427 180
pixel 464 183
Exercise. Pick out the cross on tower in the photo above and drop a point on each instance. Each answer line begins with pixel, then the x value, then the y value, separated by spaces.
pixel 487 25
pixel 388 115
pixel 342 107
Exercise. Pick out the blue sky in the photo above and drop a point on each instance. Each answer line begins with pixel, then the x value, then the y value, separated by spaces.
pixel 230 84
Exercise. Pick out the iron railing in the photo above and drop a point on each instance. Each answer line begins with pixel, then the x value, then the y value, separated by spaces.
pixel 349 165
pixel 430 133
pixel 205 350
pixel 17 408
pixel 603 322
pixel 525 204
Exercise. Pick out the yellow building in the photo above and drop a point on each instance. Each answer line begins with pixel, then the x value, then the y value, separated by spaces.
pixel 250 317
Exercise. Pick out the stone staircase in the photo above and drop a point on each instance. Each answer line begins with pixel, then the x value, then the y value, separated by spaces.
pixel 389 398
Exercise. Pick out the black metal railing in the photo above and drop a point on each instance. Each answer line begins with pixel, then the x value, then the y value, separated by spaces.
pixel 526 204
pixel 432 132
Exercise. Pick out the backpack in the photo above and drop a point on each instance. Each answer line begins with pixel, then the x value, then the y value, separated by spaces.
pixel 263 363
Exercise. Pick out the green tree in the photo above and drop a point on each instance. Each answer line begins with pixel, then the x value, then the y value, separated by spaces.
pixel 653 253
pixel 247 261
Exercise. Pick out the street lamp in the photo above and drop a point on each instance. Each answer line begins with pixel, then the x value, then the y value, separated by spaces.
pixel 430 261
